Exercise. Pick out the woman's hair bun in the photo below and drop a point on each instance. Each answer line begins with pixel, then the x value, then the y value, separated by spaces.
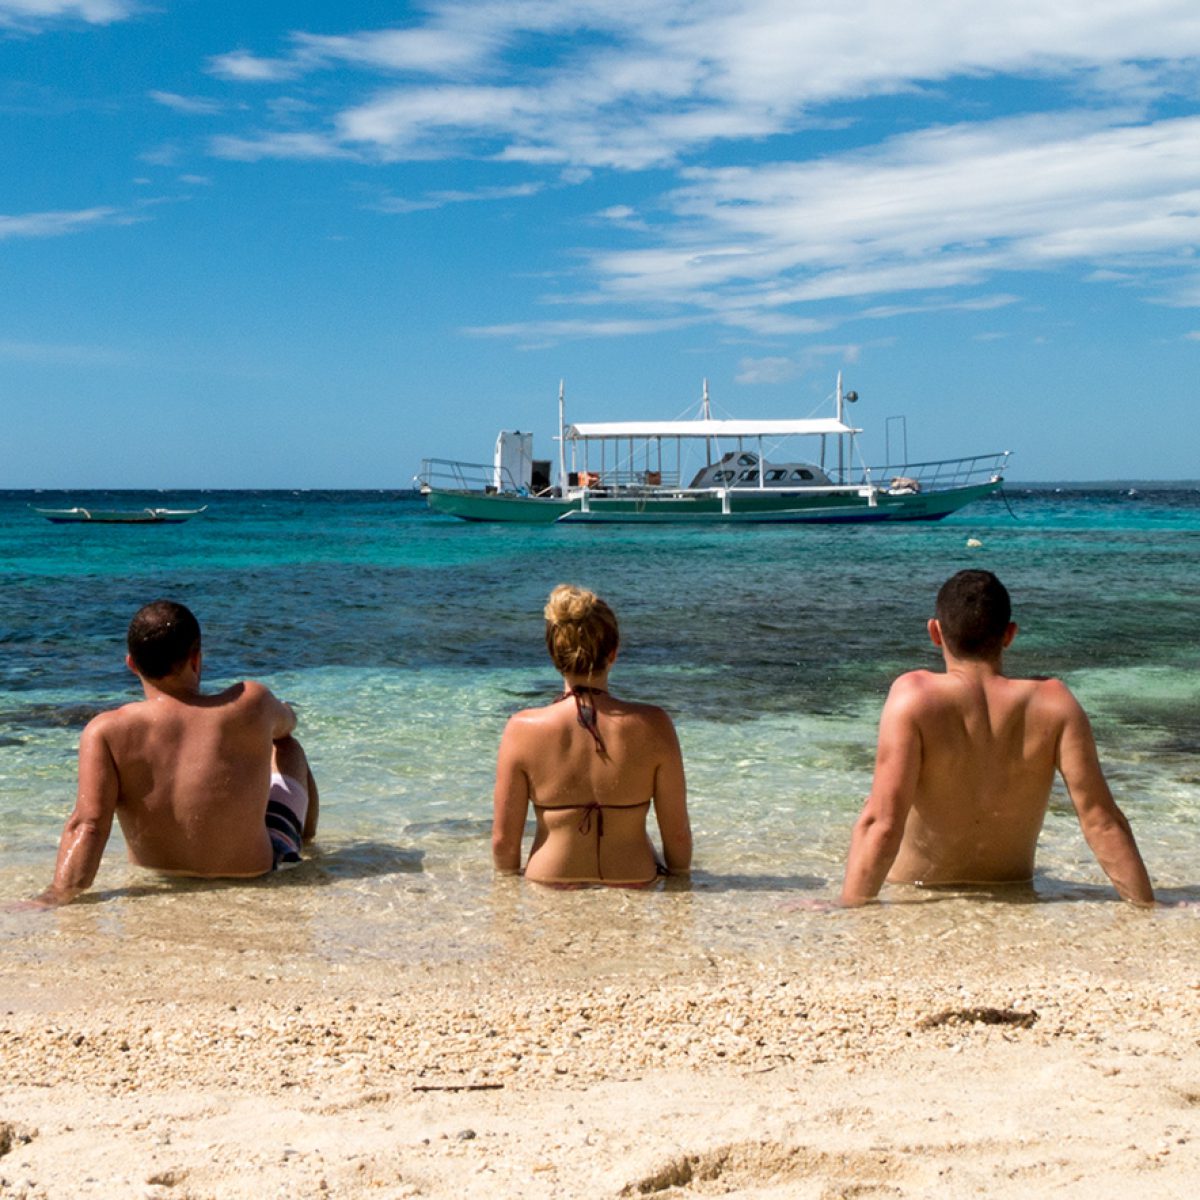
pixel 581 630
pixel 569 603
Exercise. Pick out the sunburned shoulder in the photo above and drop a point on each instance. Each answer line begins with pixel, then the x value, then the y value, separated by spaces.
pixel 1052 694
pixel 114 719
pixel 916 686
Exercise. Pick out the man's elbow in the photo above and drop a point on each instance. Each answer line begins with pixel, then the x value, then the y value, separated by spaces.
pixel 881 832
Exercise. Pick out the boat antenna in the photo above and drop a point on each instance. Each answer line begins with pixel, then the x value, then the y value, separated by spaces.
pixel 706 413
pixel 562 442
pixel 843 398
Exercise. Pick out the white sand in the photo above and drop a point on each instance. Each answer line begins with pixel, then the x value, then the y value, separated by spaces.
pixel 136 1067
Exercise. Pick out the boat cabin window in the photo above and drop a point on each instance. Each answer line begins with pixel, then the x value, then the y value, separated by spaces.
pixel 750 476
pixel 724 476
pixel 802 473
pixel 777 475
pixel 747 460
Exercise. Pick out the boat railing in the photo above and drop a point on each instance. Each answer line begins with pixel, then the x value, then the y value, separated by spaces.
pixel 942 474
pixel 624 479
pixel 602 491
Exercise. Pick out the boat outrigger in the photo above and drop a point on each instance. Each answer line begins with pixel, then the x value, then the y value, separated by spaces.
pixel 634 472
pixel 118 516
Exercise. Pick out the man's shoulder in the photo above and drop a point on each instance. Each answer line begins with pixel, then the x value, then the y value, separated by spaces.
pixel 248 693
pixel 916 685
pixel 1052 693
pixel 114 719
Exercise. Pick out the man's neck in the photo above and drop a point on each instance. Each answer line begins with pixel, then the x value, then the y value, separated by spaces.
pixel 973 668
pixel 182 686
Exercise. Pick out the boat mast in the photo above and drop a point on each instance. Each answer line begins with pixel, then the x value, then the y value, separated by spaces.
pixel 562 443
pixel 706 413
pixel 841 437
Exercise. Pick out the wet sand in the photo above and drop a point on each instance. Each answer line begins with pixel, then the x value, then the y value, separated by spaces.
pixel 226 1043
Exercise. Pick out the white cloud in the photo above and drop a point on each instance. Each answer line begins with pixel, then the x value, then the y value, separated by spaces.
pixel 549 332
pixel 61 353
pixel 278 145
pixel 610 83
pixel 767 370
pixel 433 200
pixel 199 106
pixel 57 224
pixel 568 88
pixel 943 208
pixel 35 14
pixel 430 50
pixel 166 155
pixel 244 67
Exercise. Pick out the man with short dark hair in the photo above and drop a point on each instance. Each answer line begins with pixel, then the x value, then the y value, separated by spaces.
pixel 966 760
pixel 205 785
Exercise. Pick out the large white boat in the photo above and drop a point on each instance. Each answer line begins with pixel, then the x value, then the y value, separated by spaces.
pixel 637 472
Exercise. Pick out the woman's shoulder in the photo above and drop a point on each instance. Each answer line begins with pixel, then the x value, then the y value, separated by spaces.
pixel 541 715
pixel 650 715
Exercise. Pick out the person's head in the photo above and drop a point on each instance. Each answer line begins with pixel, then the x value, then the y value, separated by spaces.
pixel 581 631
pixel 974 615
pixel 162 637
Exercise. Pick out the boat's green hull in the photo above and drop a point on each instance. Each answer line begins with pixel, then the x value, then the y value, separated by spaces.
pixel 488 506
pixel 745 506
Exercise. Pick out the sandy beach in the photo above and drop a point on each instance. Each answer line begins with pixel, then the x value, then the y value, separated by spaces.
pixel 961 1048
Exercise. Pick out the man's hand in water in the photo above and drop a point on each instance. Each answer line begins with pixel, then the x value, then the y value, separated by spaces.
pixel 52 897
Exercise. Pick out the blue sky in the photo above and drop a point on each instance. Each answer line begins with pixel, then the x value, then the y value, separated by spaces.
pixel 305 244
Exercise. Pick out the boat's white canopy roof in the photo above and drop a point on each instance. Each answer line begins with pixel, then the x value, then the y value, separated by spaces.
pixel 707 429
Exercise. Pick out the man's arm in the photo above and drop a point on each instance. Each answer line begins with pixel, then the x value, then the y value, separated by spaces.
pixel 510 803
pixel 86 832
pixel 1103 823
pixel 279 714
pixel 879 830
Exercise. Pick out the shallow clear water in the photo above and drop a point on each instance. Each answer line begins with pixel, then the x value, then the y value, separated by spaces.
pixel 405 640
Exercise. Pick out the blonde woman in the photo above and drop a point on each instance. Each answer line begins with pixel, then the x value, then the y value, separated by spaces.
pixel 591 765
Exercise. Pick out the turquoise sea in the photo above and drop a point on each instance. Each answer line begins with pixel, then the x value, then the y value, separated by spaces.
pixel 405 640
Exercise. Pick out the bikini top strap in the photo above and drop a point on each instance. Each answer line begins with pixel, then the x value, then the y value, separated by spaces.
pixel 585 713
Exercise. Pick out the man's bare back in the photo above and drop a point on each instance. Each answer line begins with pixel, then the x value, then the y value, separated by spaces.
pixel 192 777
pixel 188 776
pixel 963 773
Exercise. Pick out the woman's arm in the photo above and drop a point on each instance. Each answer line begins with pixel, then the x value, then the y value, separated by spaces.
pixel 510 803
pixel 670 802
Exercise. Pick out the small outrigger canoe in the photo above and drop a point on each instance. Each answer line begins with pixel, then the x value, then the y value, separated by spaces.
pixel 119 516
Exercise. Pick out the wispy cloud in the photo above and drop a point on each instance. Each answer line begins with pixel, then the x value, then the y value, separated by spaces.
pixel 569 88
pixel 285 145
pixel 434 200
pixel 61 353
pixel 244 67
pixel 932 210
pixel 550 332
pixel 628 86
pixel 772 369
pixel 58 224
pixel 199 106
pixel 31 15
